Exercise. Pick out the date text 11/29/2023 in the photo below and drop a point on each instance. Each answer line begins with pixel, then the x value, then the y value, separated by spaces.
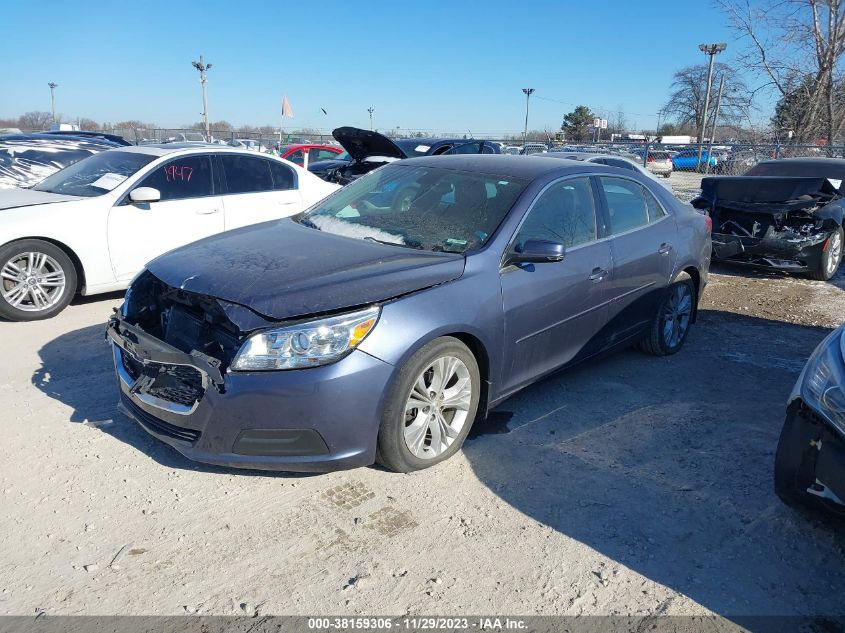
pixel 420 623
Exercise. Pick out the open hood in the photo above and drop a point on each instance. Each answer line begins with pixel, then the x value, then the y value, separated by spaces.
pixel 283 270
pixel 764 193
pixel 362 144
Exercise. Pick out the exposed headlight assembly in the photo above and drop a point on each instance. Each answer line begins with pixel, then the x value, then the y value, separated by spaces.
pixel 308 344
pixel 823 388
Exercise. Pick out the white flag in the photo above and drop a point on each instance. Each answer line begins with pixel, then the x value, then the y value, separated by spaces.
pixel 287 111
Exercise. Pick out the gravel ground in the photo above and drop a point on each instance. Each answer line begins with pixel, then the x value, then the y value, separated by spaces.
pixel 630 485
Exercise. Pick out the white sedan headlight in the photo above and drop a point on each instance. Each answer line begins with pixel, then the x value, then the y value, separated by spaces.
pixel 823 388
pixel 308 344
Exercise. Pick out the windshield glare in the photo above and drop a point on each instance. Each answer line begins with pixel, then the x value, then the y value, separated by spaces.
pixel 96 175
pixel 418 207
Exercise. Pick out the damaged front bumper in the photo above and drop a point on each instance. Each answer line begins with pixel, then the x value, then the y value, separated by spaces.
pixel 810 461
pixel 783 253
pixel 316 419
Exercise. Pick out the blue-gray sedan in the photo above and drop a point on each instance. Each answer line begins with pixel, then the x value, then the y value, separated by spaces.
pixel 380 323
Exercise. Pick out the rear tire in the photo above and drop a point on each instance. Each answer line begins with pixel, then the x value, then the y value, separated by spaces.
pixel 419 429
pixel 671 322
pixel 830 259
pixel 37 280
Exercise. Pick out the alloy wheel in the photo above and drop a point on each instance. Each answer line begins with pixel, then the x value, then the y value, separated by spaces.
pixel 834 253
pixel 32 282
pixel 677 314
pixel 437 407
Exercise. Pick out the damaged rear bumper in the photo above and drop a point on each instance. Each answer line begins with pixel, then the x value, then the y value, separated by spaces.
pixel 797 255
pixel 310 420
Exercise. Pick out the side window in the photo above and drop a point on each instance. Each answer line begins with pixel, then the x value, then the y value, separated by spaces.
pixel 625 204
pixel 283 177
pixel 465 148
pixel 655 210
pixel 564 213
pixel 298 157
pixel 186 177
pixel 245 174
pixel 322 154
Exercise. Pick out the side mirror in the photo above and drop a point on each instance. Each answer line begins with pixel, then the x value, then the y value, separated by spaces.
pixel 537 252
pixel 145 194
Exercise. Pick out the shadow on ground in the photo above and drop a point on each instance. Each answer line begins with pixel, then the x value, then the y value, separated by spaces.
pixel 77 370
pixel 664 465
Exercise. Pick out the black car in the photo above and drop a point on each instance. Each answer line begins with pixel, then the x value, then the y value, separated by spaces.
pixel 27 159
pixel 784 214
pixel 104 136
pixel 367 150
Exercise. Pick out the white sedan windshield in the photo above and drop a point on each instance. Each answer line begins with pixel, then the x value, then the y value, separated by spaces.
pixel 96 175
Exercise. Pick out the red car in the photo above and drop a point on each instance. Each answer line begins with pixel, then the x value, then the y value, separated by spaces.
pixel 296 153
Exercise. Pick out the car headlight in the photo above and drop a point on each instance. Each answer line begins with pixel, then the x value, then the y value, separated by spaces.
pixel 308 344
pixel 823 388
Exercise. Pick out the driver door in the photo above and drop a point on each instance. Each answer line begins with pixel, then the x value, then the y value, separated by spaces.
pixel 554 310
pixel 188 210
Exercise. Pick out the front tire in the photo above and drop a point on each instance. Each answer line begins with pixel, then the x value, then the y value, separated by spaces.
pixel 670 325
pixel 831 257
pixel 37 280
pixel 430 407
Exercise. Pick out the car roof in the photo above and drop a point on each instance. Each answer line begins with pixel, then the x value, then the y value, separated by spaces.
pixel 59 139
pixel 163 149
pixel 525 167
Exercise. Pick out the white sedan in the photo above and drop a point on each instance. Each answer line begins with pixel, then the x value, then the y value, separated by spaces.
pixel 91 227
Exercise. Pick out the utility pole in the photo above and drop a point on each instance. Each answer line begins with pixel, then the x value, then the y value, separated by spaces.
pixel 715 118
pixel 203 68
pixel 371 110
pixel 659 115
pixel 53 85
pixel 528 92
pixel 712 50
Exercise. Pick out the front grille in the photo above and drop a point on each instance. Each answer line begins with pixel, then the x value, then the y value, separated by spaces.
pixel 174 383
pixel 159 426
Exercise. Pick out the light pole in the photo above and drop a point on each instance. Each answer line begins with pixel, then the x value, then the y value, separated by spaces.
pixel 203 68
pixel 528 92
pixel 715 119
pixel 371 110
pixel 712 50
pixel 53 85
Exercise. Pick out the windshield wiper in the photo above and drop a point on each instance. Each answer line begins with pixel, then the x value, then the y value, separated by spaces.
pixel 370 238
pixel 309 224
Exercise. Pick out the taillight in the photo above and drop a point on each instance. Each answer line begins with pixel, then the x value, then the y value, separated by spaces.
pixel 708 222
pixel 650 159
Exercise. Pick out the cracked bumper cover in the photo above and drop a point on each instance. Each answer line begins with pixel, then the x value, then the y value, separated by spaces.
pixel 789 254
pixel 310 420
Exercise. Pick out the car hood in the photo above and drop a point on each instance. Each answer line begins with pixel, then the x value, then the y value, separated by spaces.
pixel 362 144
pixel 768 193
pixel 283 270
pixel 16 197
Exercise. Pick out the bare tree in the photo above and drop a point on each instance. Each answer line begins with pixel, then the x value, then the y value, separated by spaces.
pixel 689 87
pixel 796 45
pixel 88 124
pixel 36 120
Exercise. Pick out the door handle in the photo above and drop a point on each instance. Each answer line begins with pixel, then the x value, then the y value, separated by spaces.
pixel 598 275
pixel 665 249
pixel 287 203
pixel 207 211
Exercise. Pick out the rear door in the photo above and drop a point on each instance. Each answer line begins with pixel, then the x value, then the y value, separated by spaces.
pixel 257 189
pixel 642 238
pixel 189 209
pixel 554 310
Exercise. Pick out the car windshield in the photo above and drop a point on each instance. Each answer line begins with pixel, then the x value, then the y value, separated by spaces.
pixel 413 147
pixel 96 175
pixel 418 207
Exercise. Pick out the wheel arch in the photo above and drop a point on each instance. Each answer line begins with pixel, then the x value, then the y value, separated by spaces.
pixel 693 273
pixel 74 258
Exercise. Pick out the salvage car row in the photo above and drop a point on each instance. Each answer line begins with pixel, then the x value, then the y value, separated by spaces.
pixel 298 325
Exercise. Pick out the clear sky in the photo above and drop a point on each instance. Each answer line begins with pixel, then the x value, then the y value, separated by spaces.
pixel 447 65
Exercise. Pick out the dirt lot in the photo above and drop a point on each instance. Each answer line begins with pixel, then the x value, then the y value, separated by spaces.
pixel 630 485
